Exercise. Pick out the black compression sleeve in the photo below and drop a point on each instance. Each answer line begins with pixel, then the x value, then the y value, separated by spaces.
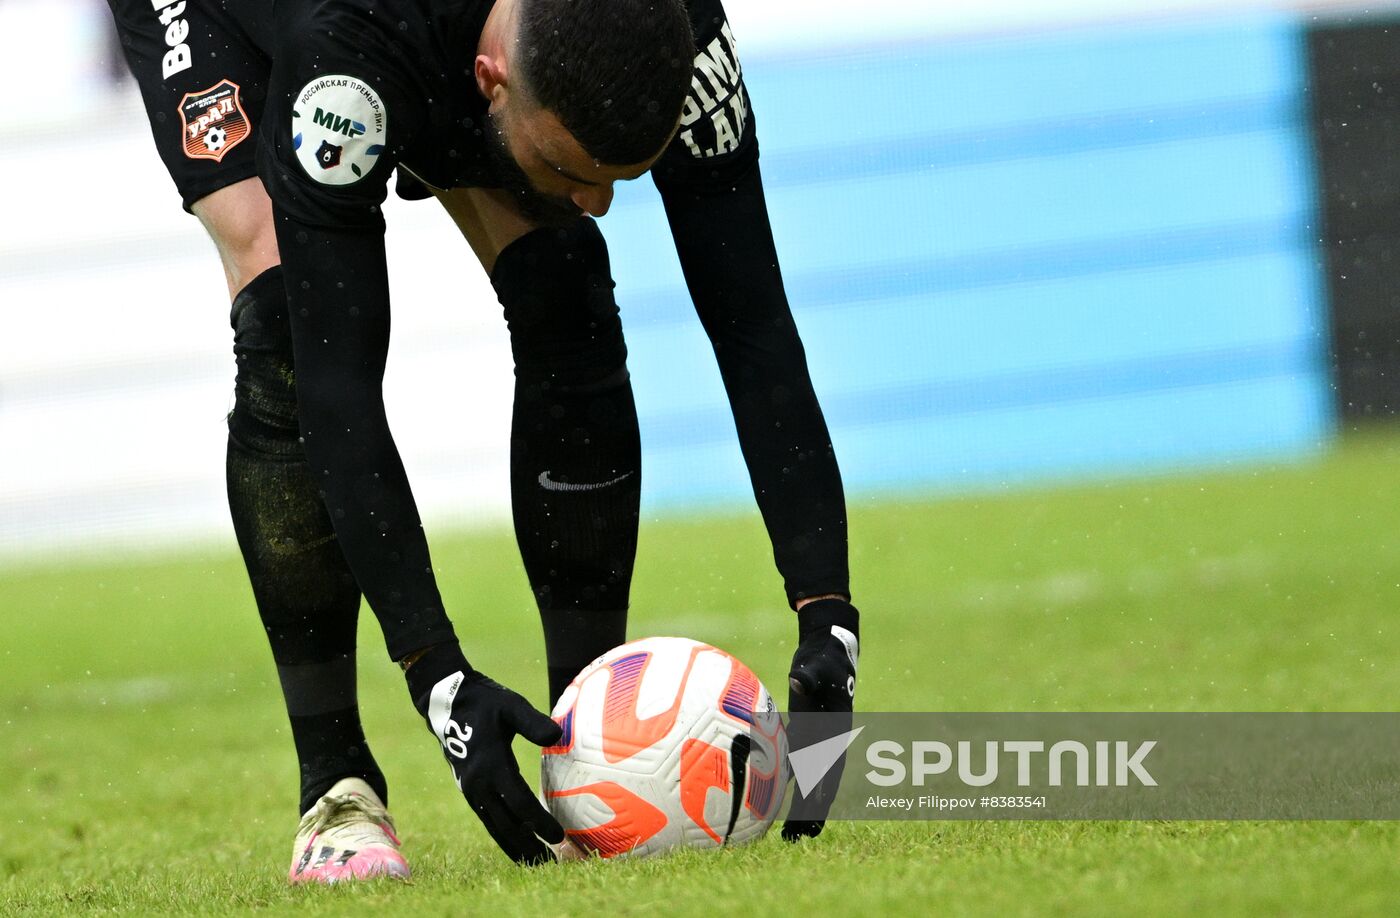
pixel 338 295
pixel 726 250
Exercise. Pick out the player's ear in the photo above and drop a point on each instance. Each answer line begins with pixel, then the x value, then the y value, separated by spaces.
pixel 491 78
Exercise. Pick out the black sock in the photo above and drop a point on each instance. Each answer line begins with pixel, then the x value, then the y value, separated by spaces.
pixel 325 719
pixel 574 638
pixel 575 474
pixel 305 593
pixel 575 446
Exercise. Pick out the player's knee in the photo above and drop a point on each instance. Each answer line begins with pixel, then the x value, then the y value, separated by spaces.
pixel 556 287
pixel 249 252
pixel 239 219
pixel 264 416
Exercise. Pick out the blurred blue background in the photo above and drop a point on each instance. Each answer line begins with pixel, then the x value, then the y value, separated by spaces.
pixel 1023 243
pixel 1084 252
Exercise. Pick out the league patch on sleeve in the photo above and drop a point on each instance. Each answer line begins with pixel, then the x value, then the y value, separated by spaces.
pixel 716 112
pixel 338 129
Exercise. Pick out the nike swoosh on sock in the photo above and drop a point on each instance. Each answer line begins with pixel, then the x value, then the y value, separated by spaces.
pixel 549 484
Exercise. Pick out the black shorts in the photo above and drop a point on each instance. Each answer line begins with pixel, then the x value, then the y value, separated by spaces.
pixel 203 82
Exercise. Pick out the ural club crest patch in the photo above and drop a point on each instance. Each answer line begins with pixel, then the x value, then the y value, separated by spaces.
pixel 213 121
pixel 339 126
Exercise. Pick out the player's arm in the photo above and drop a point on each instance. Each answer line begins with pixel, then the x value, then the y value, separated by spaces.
pixel 712 188
pixel 325 157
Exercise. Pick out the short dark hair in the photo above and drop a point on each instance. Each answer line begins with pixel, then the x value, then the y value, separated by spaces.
pixel 614 72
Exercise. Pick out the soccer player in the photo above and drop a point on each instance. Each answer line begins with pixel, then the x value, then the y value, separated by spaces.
pixel 281 125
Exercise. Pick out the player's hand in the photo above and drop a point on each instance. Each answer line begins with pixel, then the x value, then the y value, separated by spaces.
pixel 475 720
pixel 822 680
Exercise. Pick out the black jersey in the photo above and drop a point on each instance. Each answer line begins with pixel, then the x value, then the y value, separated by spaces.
pixel 335 95
pixel 359 87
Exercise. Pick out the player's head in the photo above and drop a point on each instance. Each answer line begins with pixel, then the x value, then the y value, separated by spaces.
pixel 583 93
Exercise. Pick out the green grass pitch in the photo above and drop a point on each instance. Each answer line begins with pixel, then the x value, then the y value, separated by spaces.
pixel 146 765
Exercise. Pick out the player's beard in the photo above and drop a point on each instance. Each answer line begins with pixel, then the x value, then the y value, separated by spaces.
pixel 533 205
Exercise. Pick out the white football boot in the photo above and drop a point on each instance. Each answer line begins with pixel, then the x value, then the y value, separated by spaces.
pixel 347 835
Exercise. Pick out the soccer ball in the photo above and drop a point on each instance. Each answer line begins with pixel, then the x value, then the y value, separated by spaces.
pixel 668 743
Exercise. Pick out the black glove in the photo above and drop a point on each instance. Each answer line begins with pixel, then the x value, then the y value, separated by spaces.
pixel 822 680
pixel 475 720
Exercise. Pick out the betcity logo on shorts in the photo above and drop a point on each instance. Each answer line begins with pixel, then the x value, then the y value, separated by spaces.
pixel 176 31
